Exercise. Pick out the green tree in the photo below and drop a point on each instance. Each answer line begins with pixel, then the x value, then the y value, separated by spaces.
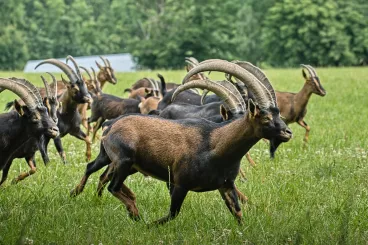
pixel 311 31
pixel 13 48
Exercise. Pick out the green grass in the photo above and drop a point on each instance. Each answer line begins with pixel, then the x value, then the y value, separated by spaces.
pixel 314 196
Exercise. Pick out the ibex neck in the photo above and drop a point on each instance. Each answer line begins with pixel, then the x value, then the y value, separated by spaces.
pixel 235 139
pixel 67 103
pixel 101 78
pixel 302 97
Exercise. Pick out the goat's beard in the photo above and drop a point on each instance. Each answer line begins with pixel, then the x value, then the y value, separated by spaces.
pixel 274 144
pixel 41 147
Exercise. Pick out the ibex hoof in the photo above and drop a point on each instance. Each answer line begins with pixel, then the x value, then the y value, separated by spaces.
pixel 74 192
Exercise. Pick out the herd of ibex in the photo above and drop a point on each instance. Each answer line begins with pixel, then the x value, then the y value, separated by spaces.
pixel 165 130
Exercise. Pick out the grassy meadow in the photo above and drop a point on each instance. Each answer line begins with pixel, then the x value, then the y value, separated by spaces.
pixel 312 195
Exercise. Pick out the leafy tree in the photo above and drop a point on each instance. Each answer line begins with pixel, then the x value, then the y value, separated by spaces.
pixel 13 49
pixel 310 31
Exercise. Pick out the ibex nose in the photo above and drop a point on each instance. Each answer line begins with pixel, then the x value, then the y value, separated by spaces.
pixel 53 132
pixel 288 131
pixel 87 99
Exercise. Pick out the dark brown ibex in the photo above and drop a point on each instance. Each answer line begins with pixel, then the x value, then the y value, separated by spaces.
pixel 293 106
pixel 69 119
pixel 22 131
pixel 198 155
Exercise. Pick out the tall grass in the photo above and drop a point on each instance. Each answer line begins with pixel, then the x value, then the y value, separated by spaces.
pixel 316 195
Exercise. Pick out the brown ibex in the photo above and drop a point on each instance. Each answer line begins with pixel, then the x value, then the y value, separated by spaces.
pixel 198 155
pixel 293 106
pixel 22 131
pixel 107 106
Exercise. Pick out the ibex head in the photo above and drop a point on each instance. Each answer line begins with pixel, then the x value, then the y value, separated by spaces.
pixel 50 100
pixel 312 80
pixel 33 112
pixel 106 72
pixel 263 113
pixel 76 86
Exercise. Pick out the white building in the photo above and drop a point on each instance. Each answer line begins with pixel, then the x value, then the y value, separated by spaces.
pixel 119 62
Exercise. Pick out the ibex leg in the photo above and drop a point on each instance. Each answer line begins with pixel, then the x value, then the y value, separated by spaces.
pixel 230 197
pixel 307 130
pixel 32 164
pixel 81 135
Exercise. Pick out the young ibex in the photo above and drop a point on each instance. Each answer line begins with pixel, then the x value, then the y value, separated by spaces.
pixel 22 131
pixel 107 106
pixel 69 119
pixel 198 155
pixel 293 106
pixel 150 103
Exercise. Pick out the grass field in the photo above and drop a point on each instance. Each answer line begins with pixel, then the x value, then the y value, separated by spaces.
pixel 317 195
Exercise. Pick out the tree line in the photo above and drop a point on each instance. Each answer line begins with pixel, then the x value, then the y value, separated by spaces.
pixel 160 33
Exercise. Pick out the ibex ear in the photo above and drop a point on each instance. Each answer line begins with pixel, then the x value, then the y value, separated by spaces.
pixel 304 74
pixel 252 107
pixel 223 113
pixel 99 66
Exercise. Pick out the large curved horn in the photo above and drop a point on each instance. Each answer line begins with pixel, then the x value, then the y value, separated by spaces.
pixel 21 90
pixel 258 73
pixel 62 66
pixel 262 95
pixel 31 89
pixel 86 70
pixel 224 89
pixel 193 62
pixel 69 57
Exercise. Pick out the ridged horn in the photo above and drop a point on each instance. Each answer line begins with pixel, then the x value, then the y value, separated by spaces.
pixel 62 66
pixel 31 89
pixel 224 89
pixel 262 95
pixel 21 90
pixel 193 62
pixel 258 73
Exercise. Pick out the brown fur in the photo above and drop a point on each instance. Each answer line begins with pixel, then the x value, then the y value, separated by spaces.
pixel 148 104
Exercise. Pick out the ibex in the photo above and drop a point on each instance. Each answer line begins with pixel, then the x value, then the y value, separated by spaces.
pixel 107 106
pixel 293 106
pixel 69 119
pixel 198 155
pixel 22 131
